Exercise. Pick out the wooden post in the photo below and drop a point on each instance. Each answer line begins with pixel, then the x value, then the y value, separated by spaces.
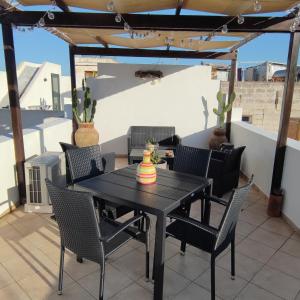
pixel 286 108
pixel 14 103
pixel 73 85
pixel 230 91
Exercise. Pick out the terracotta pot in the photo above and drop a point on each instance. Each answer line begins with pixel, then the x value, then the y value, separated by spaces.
pixel 86 135
pixel 218 138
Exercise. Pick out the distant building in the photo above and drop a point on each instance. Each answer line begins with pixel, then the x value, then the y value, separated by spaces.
pixel 263 72
pixel 279 76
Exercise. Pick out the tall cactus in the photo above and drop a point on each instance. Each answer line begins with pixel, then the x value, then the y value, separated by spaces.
pixel 223 107
pixel 89 106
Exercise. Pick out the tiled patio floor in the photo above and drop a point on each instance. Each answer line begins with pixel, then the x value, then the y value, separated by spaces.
pixel 268 262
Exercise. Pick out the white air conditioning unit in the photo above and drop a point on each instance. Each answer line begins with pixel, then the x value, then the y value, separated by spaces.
pixel 50 165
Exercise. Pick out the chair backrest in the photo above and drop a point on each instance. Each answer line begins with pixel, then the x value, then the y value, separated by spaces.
pixel 230 218
pixel 85 163
pixel 192 160
pixel 139 134
pixel 233 159
pixel 77 221
pixel 64 148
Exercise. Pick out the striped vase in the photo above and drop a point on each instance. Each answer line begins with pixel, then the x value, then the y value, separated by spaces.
pixel 146 171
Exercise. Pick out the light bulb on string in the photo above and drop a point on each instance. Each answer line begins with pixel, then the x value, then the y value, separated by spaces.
pixel 225 29
pixel 50 15
pixel 257 6
pixel 293 27
pixel 41 22
pixel 241 19
pixel 110 6
pixel 118 18
pixel 126 26
pixel 182 44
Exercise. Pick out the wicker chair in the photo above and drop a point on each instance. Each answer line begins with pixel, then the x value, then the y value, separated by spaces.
pixel 83 234
pixel 210 239
pixel 88 162
pixel 193 161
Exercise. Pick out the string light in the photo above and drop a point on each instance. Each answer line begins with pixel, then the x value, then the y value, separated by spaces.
pixel 118 18
pixel 241 19
pixel 126 26
pixel 257 6
pixel 225 29
pixel 110 6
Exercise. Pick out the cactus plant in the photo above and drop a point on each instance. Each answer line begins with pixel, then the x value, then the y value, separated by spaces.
pixel 223 107
pixel 89 106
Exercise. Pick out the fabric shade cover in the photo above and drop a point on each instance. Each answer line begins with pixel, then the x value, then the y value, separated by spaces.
pixel 227 7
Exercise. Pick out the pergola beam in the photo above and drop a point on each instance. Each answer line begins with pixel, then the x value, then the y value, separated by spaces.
pixel 152 22
pixel 285 113
pixel 14 103
pixel 62 5
pixel 179 7
pixel 152 53
pixel 73 86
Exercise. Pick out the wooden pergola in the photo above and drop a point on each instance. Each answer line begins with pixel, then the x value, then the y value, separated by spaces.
pixel 181 36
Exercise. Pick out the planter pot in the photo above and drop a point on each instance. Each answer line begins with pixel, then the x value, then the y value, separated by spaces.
pixel 152 147
pixel 162 164
pixel 217 139
pixel 146 171
pixel 275 205
pixel 86 135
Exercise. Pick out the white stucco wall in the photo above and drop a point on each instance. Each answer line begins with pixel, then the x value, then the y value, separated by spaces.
pixel 44 138
pixel 178 99
pixel 258 159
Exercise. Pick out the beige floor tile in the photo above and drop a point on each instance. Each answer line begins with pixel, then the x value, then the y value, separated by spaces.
pixel 253 218
pixel 277 283
pixel 190 266
pixel 245 266
pixel 268 238
pixel 292 247
pixel 198 252
pixel 72 292
pixel 296 236
pixel 253 292
pixel 134 292
pixel 244 228
pixel 78 270
pixel 5 278
pixel 255 250
pixel 225 287
pixel 13 292
pixel 286 263
pixel 132 264
pixel 174 283
pixel 279 226
pixel 115 282
pixel 194 292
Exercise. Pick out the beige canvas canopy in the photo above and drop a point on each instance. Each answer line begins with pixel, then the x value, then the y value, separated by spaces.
pixel 227 7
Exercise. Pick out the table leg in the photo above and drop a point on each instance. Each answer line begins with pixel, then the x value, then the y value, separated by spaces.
pixel 159 257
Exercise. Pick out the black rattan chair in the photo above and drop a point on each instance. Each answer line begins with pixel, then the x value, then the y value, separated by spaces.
pixel 88 162
pixel 210 239
pixel 193 161
pixel 83 234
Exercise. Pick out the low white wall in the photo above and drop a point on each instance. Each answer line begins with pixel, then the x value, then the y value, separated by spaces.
pixel 184 98
pixel 43 138
pixel 258 159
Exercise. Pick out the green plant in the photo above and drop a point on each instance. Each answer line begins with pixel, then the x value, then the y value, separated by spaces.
pixel 89 106
pixel 155 157
pixel 151 141
pixel 223 107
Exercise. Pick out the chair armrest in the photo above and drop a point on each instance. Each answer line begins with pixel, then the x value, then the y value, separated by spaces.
pixel 176 139
pixel 121 228
pixel 108 160
pixel 216 199
pixel 195 223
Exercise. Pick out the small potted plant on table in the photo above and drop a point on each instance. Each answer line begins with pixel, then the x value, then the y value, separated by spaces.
pixel 158 161
pixel 151 144
pixel 219 134
pixel 86 134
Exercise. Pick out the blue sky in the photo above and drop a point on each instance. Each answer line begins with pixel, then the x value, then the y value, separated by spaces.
pixel 39 46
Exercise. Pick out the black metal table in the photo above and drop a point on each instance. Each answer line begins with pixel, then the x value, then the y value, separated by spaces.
pixel 171 190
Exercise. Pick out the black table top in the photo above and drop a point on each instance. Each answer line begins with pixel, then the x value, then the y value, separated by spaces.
pixel 121 187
